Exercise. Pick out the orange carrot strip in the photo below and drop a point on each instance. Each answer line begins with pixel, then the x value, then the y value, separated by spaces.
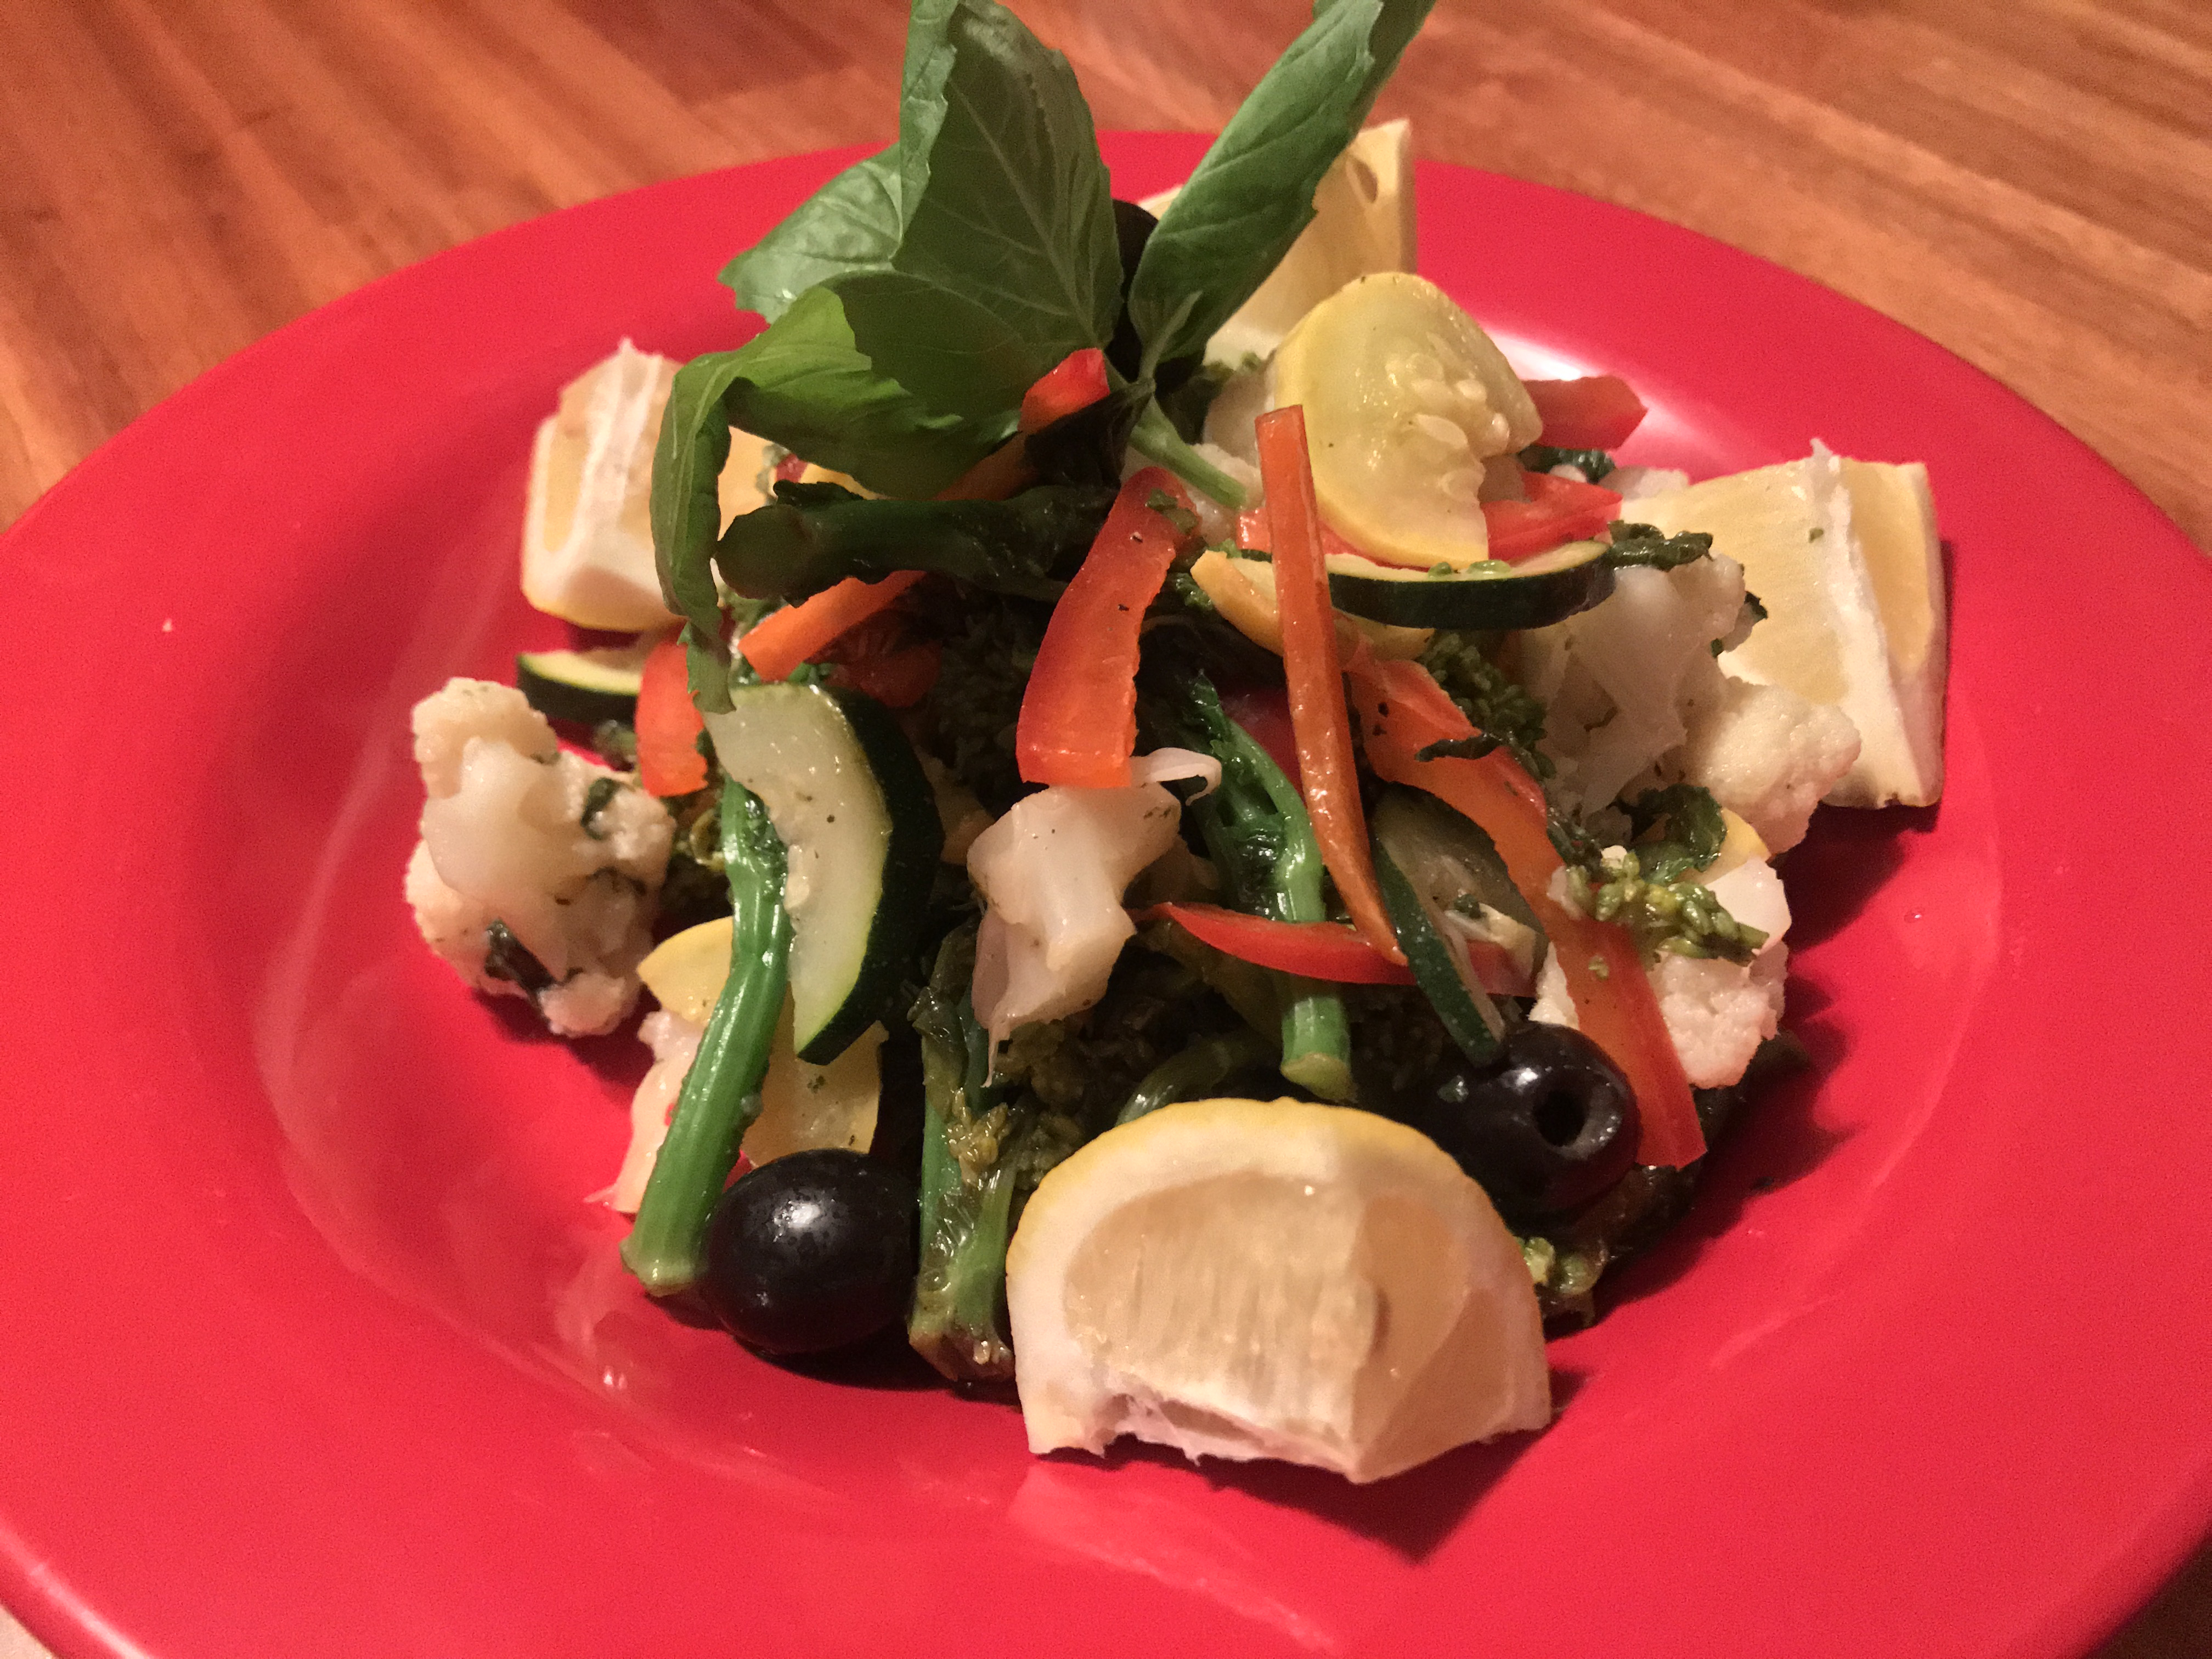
pixel 784 639
pixel 1316 674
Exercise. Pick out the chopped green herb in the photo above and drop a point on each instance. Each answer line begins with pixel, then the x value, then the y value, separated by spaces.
pixel 1642 544
pixel 602 791
pixel 1473 748
pixel 1593 464
pixel 506 957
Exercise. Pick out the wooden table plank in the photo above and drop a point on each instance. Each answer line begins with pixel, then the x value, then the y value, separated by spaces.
pixel 2027 181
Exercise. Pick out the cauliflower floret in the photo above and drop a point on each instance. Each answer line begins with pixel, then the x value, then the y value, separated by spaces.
pixel 1636 701
pixel 1616 678
pixel 567 854
pixel 1051 872
pixel 1717 1013
pixel 1766 754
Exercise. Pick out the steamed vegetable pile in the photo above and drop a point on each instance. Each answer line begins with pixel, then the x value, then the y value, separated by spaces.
pixel 1093 698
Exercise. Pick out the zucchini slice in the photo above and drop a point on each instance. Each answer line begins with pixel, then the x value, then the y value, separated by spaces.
pixel 1426 857
pixel 583 686
pixel 1534 593
pixel 861 833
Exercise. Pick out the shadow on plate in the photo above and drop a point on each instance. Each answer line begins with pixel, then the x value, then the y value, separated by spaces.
pixel 1410 1514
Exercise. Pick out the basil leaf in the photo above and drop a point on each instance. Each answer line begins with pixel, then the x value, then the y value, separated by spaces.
pixel 950 353
pixel 855 222
pixel 1232 222
pixel 813 536
pixel 806 383
pixel 686 511
pixel 851 224
pixel 1015 212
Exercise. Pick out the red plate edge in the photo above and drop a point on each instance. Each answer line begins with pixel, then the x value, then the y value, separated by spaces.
pixel 74 623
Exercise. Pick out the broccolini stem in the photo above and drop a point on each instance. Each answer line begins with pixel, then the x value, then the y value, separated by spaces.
pixel 1198 1070
pixel 1157 439
pixel 721 1092
pixel 968 1177
pixel 1274 866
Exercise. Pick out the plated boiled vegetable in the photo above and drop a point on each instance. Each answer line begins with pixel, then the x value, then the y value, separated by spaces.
pixel 1202 845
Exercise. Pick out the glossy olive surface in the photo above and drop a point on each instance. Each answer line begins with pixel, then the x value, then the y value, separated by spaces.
pixel 812 1252
pixel 1548 1127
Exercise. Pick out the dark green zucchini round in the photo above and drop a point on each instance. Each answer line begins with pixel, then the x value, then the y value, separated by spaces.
pixel 1534 593
pixel 583 686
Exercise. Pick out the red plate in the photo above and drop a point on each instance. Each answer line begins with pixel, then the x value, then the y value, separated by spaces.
pixel 311 1345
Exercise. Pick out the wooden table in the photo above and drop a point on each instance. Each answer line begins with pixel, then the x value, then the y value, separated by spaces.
pixel 2028 181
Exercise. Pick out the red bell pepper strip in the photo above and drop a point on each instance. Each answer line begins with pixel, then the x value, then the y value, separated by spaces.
pixel 784 639
pixel 1078 383
pixel 1314 950
pixel 1558 511
pixel 1597 412
pixel 668 724
pixel 1402 711
pixel 1313 670
pixel 897 679
pixel 1079 720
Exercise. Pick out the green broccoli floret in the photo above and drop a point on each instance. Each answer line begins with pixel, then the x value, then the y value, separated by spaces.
pixel 990 644
pixel 1082 1068
pixel 1488 695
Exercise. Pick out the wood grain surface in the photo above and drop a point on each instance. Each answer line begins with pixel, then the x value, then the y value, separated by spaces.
pixel 2027 181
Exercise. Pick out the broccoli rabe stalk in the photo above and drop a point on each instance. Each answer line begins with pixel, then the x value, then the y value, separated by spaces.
pixel 971 1145
pixel 1262 840
pixel 966 1212
pixel 1157 439
pixel 721 1092
pixel 1200 1070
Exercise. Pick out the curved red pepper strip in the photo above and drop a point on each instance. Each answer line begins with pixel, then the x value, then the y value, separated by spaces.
pixel 668 724
pixel 1078 718
pixel 1557 511
pixel 1596 412
pixel 1402 711
pixel 1315 950
pixel 1312 668
pixel 1079 382
pixel 784 639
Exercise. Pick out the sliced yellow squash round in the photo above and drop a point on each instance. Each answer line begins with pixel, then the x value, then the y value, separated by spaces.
pixel 1405 397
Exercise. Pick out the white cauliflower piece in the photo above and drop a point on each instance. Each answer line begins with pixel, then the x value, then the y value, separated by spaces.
pixel 1053 871
pixel 1636 701
pixel 1617 677
pixel 1766 754
pixel 512 833
pixel 1717 1013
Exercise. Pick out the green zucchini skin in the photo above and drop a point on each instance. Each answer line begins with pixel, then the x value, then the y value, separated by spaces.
pixel 1523 597
pixel 860 824
pixel 561 685
pixel 917 838
pixel 1430 958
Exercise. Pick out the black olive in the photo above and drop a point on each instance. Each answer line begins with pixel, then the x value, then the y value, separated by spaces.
pixel 1545 1128
pixel 812 1252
